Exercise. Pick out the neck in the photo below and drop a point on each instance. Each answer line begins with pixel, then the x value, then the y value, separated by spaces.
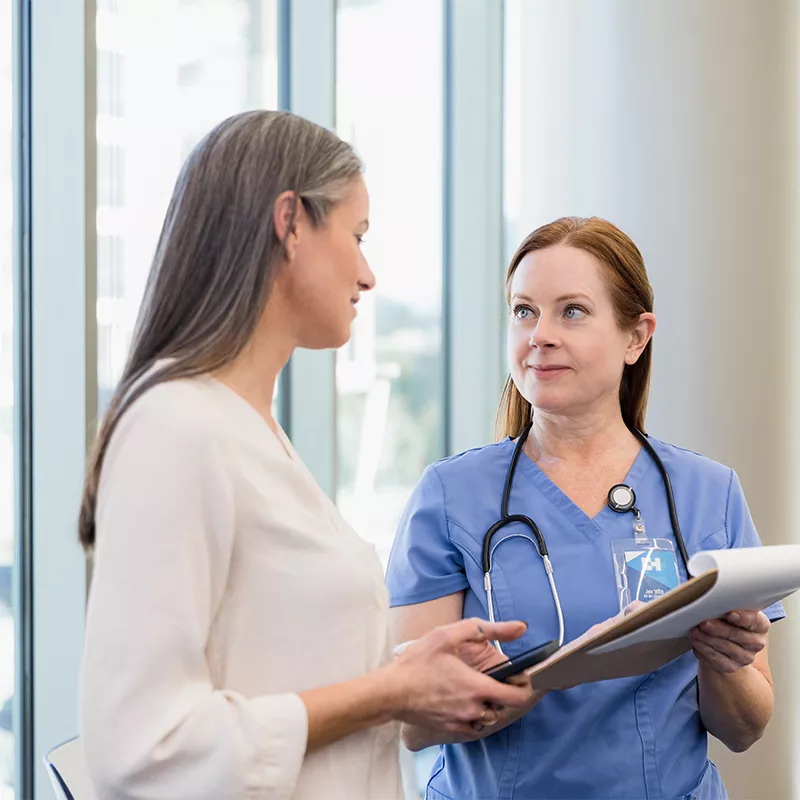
pixel 577 438
pixel 254 372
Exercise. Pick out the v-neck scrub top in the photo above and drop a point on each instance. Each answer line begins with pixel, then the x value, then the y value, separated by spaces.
pixel 225 583
pixel 633 738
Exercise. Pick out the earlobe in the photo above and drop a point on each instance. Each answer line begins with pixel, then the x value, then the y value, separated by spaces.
pixel 631 357
pixel 641 335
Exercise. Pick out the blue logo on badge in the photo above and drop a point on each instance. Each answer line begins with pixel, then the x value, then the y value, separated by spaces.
pixel 651 574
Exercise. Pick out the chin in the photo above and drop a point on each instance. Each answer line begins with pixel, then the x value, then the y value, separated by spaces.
pixel 337 339
pixel 548 402
pixel 325 339
pixel 343 340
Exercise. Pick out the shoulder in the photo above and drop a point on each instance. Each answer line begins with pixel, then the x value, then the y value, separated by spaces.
pixel 168 472
pixel 463 481
pixel 189 399
pixel 704 491
pixel 688 464
pixel 173 418
pixel 473 463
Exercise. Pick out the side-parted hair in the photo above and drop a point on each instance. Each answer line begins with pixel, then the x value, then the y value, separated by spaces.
pixel 219 253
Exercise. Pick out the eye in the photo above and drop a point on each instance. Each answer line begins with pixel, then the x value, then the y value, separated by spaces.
pixel 574 312
pixel 522 312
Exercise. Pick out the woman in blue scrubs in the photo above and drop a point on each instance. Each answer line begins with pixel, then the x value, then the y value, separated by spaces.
pixel 579 347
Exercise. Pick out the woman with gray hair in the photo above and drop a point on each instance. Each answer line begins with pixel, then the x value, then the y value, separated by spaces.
pixel 236 638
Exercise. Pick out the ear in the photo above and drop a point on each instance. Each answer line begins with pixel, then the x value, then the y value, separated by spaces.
pixel 641 334
pixel 286 215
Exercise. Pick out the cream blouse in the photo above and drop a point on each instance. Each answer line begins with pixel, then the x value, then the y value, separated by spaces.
pixel 225 583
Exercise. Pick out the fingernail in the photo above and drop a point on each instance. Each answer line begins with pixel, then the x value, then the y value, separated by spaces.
pixel 734 617
pixel 707 626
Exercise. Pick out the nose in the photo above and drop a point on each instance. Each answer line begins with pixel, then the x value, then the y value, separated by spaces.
pixel 366 278
pixel 544 334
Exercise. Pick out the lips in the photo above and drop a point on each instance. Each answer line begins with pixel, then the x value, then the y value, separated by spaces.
pixel 549 371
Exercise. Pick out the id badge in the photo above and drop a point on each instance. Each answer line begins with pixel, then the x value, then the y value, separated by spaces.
pixel 646 569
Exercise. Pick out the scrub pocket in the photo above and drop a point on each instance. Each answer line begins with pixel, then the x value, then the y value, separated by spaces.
pixel 709 787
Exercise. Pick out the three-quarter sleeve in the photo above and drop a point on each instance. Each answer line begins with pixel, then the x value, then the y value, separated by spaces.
pixel 424 563
pixel 153 723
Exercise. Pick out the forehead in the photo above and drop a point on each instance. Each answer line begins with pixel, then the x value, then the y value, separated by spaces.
pixel 356 200
pixel 560 269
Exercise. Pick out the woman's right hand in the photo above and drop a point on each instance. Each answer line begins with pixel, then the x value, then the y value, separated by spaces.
pixel 436 689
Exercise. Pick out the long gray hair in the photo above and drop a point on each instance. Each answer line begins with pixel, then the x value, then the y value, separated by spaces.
pixel 218 255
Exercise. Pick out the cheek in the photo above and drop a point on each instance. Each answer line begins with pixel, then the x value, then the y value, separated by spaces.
pixel 321 274
pixel 517 346
pixel 603 358
pixel 517 343
pixel 345 257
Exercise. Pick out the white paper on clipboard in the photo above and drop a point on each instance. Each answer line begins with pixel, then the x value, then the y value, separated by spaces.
pixel 747 578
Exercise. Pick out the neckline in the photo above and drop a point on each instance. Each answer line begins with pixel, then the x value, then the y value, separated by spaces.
pixel 589 526
pixel 278 435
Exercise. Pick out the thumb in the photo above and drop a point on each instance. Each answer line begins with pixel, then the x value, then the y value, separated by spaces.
pixel 505 631
pixel 479 630
pixel 631 607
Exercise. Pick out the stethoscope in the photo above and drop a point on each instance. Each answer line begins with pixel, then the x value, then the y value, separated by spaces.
pixel 621 498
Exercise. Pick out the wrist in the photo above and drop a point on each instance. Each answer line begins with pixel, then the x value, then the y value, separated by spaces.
pixel 716 680
pixel 709 674
pixel 391 690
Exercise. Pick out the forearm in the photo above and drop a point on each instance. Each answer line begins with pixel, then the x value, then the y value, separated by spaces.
pixel 735 707
pixel 345 708
pixel 417 737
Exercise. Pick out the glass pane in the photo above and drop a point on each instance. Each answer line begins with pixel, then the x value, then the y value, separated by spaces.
pixel 167 72
pixel 390 376
pixel 7 494
pixel 514 108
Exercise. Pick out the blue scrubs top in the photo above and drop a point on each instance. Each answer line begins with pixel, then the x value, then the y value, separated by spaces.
pixel 638 737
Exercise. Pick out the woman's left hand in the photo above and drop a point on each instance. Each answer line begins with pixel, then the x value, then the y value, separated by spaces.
pixel 728 644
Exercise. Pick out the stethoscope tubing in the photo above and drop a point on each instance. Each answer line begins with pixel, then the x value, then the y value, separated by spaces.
pixel 541 545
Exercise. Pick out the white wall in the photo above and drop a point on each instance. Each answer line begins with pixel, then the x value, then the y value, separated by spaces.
pixel 677 120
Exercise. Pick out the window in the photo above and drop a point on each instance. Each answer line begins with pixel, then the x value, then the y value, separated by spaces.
pixel 110 266
pixel 514 108
pixel 7 414
pixel 109 84
pixel 390 376
pixel 166 74
pixel 111 176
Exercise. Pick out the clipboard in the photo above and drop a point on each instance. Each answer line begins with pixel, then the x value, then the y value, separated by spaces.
pixel 640 642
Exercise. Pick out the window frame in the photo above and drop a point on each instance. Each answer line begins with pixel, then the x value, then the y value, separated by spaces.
pixel 58 362
pixel 307 50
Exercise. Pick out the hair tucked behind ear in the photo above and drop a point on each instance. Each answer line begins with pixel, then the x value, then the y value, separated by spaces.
pixel 218 255
pixel 631 294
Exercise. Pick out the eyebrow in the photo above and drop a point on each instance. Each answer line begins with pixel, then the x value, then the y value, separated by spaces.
pixel 563 299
